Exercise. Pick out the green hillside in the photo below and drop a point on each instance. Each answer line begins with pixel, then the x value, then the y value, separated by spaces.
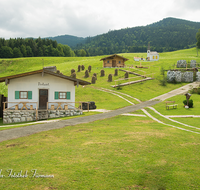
pixel 122 152
pixel 69 40
pixel 169 34
pixel 89 93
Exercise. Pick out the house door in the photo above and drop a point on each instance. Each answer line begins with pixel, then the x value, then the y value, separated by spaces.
pixel 43 98
pixel 113 63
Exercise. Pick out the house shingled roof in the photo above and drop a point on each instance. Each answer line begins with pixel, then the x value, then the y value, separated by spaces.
pixel 114 55
pixel 76 81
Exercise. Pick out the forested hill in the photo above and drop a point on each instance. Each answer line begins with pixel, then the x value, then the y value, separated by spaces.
pixel 168 34
pixel 69 40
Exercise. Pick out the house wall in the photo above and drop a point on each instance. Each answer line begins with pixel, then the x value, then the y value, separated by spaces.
pixel 37 81
pixel 154 57
pixel 106 64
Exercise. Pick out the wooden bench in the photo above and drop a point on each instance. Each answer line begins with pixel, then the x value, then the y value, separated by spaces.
pixel 172 104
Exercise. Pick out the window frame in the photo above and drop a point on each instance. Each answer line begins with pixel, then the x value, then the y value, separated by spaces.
pixel 20 94
pixel 63 93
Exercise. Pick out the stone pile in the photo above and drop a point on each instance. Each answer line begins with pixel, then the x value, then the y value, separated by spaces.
pixel 198 76
pixel 178 76
pixel 193 64
pixel 181 64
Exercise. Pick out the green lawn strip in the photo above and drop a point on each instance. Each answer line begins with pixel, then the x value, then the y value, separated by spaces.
pixel 161 107
pixel 17 125
pixel 189 121
pixel 103 100
pixel 116 153
pixel 166 121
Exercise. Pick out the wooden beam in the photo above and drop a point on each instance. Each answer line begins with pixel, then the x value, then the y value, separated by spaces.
pixel 7 81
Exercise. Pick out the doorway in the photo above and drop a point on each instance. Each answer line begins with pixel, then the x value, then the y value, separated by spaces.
pixel 43 98
pixel 114 63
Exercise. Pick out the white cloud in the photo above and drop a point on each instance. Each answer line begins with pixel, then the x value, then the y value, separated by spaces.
pixel 34 18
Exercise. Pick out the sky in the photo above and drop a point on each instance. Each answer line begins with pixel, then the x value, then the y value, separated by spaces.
pixel 83 18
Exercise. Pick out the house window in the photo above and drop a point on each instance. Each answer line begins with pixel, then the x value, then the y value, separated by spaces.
pixel 156 57
pixel 23 94
pixel 153 57
pixel 62 95
pixel 107 61
pixel 119 61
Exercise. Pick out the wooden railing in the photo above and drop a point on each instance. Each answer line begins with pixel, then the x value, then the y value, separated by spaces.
pixel 65 105
pixel 24 105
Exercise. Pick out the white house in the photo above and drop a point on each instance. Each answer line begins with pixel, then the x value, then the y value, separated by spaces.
pixel 152 55
pixel 41 90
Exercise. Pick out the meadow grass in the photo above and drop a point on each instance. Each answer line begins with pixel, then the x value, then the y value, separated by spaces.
pixel 117 153
pixel 161 107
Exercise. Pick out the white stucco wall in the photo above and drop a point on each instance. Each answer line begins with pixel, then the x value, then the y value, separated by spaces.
pixel 35 82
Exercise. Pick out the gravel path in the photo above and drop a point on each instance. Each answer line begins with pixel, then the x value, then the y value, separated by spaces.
pixel 32 129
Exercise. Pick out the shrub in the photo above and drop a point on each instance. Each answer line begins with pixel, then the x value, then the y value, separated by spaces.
pixel 79 68
pixel 116 72
pixel 95 75
pixel 126 75
pixel 190 103
pixel 72 71
pixel 93 79
pixel 73 75
pixel 102 73
pixel 86 74
pixel 110 78
pixel 89 68
pixel 83 67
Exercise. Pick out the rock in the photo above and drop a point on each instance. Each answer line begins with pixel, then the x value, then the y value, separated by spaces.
pixel 193 64
pixel 181 64
pixel 16 120
pixel 198 76
pixel 23 119
pixel 52 115
pixel 29 119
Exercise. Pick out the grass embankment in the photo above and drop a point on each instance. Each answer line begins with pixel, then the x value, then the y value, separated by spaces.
pixel 118 153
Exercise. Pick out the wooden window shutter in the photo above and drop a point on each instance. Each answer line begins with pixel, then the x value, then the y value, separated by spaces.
pixel 56 95
pixel 16 94
pixel 29 94
pixel 68 95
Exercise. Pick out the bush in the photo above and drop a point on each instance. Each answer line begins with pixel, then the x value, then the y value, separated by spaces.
pixel 79 68
pixel 116 72
pixel 190 103
pixel 110 78
pixel 102 73
pixel 86 74
pixel 72 71
pixel 89 68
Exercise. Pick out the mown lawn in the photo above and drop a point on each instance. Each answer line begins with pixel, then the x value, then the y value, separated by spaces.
pixel 118 153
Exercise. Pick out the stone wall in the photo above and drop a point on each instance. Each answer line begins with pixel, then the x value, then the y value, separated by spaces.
pixel 16 116
pixel 178 76
pixel 63 113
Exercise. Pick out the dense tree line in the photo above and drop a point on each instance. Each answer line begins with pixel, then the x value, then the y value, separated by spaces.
pixel 29 47
pixel 170 34
pixel 198 38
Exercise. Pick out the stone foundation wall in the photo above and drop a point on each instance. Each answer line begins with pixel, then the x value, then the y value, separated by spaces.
pixel 15 116
pixel 63 113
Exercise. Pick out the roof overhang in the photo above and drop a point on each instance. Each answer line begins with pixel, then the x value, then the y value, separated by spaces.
pixel 114 56
pixel 42 71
